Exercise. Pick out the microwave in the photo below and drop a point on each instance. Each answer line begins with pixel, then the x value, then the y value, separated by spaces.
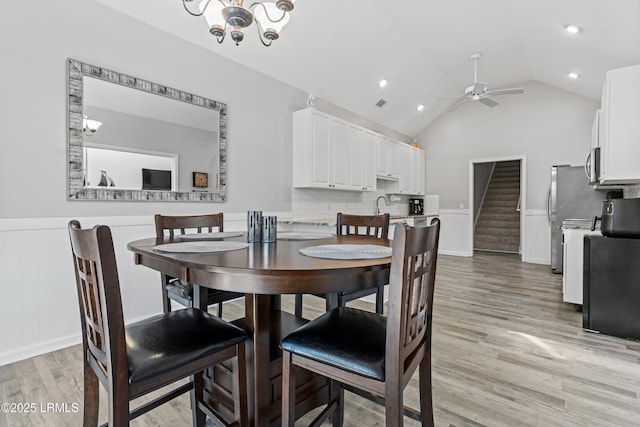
pixel 592 165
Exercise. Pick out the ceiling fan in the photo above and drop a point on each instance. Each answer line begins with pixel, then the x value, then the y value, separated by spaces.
pixel 478 90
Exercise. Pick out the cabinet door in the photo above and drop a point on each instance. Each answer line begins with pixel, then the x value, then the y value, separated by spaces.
pixel 395 154
pixel 382 155
pixel 369 161
pixel 406 164
pixel 356 149
pixel 419 172
pixel 340 150
pixel 320 150
pixel 620 142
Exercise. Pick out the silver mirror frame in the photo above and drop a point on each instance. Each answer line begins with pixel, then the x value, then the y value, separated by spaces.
pixel 76 189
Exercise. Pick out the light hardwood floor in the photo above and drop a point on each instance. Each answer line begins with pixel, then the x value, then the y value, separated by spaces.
pixel 506 352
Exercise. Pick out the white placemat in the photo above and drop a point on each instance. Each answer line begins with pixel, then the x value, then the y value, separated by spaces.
pixel 302 236
pixel 347 251
pixel 197 247
pixel 215 235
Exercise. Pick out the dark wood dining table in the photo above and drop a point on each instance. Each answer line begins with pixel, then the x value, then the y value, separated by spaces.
pixel 264 272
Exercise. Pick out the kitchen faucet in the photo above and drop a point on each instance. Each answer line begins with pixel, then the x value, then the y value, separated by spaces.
pixel 376 208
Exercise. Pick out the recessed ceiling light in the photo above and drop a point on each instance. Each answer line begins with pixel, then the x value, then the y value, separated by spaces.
pixel 572 28
pixel 420 107
pixel 573 75
pixel 383 83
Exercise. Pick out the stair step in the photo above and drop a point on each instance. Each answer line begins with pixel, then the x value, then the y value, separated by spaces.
pixel 493 231
pixel 498 223
pixel 506 178
pixel 515 216
pixel 500 206
pixel 501 247
pixel 497 238
pixel 510 203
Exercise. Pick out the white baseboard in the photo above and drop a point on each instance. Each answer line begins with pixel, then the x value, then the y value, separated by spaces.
pixel 38 349
pixel 455 253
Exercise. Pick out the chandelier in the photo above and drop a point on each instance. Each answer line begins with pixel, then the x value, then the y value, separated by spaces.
pixel 231 15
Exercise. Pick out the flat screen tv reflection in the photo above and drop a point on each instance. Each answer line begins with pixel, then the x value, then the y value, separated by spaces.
pixel 155 179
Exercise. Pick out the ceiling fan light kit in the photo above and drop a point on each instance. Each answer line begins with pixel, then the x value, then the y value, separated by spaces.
pixel 232 16
pixel 479 91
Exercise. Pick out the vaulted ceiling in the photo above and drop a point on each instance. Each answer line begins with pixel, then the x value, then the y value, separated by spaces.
pixel 340 50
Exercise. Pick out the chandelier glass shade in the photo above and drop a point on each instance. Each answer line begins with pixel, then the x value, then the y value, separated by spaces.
pixel 231 16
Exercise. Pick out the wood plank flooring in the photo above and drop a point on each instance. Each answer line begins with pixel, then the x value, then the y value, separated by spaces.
pixel 506 352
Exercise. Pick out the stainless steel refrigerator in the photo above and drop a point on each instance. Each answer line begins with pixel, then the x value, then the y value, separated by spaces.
pixel 570 196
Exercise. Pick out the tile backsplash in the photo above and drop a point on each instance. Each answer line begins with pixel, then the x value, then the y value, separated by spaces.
pixel 632 192
pixel 313 203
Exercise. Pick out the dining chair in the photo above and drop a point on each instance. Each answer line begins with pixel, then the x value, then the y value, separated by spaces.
pixel 367 225
pixel 149 354
pixel 370 354
pixel 174 288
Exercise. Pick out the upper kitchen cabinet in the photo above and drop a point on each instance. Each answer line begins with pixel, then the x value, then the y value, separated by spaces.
pixel 411 162
pixel 387 152
pixel 362 174
pixel 329 152
pixel 619 130
pixel 319 150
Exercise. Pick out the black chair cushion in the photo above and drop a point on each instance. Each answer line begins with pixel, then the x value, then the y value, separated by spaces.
pixel 165 342
pixel 347 338
pixel 184 290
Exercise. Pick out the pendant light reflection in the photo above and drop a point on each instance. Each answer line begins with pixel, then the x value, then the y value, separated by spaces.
pixel 90 126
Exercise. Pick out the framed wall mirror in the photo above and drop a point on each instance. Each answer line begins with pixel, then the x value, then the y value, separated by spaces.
pixel 132 139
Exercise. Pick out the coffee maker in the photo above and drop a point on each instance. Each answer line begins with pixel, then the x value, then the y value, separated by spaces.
pixel 416 206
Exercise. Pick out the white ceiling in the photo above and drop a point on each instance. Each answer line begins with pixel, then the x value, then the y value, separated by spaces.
pixel 339 50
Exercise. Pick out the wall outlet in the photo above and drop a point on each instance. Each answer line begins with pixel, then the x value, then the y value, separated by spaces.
pixel 461 205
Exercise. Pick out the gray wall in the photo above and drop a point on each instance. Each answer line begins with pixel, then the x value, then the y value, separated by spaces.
pixel 548 125
pixel 37 37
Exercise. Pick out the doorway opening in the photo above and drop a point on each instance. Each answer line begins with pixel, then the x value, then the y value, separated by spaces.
pixel 497 195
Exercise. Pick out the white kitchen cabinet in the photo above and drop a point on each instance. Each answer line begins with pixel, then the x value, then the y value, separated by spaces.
pixel 319 150
pixel 362 174
pixel 369 161
pixel 419 172
pixel 406 163
pixel 386 157
pixel 329 152
pixel 620 127
pixel 339 157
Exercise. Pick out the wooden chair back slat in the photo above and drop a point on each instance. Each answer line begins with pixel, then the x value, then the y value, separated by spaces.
pixel 412 282
pixel 99 297
pixel 373 225
pixel 183 224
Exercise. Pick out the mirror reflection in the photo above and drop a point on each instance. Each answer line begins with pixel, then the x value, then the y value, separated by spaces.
pixel 135 140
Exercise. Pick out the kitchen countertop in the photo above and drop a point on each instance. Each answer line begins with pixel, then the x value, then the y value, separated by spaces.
pixel 332 221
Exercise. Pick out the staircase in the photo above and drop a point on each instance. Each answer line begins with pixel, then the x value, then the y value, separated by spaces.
pixel 498 225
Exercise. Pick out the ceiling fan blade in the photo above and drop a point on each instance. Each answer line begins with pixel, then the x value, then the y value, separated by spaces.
pixel 488 101
pixel 458 103
pixel 512 91
pixel 450 97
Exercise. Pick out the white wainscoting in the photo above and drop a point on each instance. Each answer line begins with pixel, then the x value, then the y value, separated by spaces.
pixel 455 232
pixel 38 300
pixel 538 238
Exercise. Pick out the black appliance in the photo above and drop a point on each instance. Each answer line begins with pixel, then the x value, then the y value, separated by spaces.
pixel 620 218
pixel 611 286
pixel 416 206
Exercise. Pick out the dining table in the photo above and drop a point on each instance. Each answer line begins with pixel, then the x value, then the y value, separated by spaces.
pixel 264 272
